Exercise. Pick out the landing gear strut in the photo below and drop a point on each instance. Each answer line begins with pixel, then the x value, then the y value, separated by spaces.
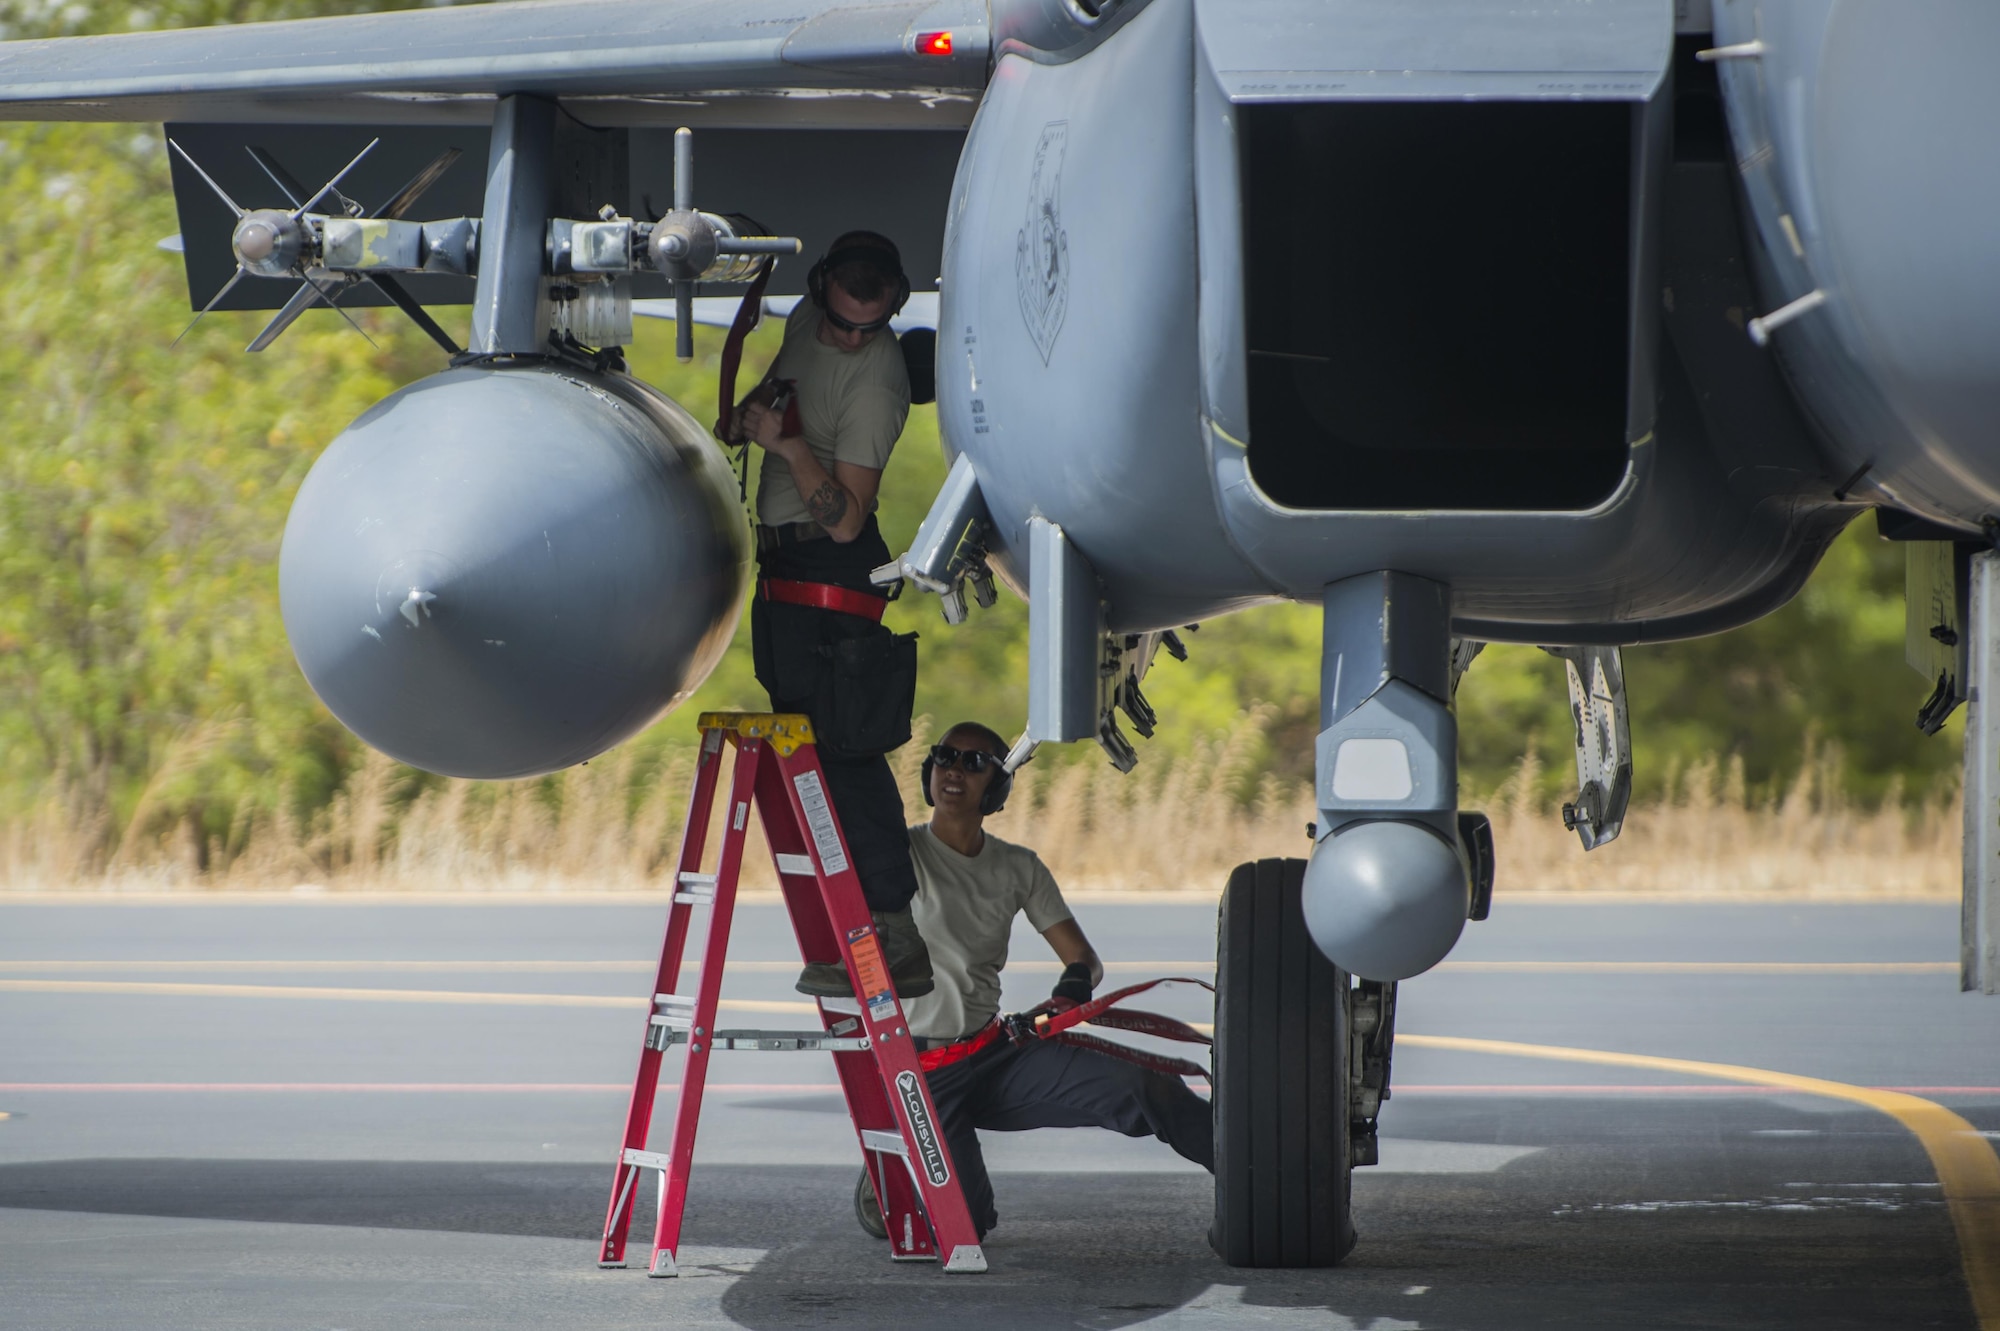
pixel 1371 1026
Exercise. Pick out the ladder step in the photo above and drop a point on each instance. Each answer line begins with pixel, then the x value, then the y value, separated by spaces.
pixel 696 889
pixel 674 1011
pixel 888 1143
pixel 799 866
pixel 788 1040
pixel 851 1006
pixel 632 1155
pixel 778 1041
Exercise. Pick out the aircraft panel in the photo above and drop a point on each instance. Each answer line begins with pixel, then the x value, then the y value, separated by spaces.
pixel 813 60
pixel 1308 50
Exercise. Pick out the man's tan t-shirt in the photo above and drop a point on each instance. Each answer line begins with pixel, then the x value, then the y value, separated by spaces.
pixel 965 907
pixel 852 406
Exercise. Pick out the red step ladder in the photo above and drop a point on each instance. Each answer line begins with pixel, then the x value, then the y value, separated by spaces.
pixel 902 1143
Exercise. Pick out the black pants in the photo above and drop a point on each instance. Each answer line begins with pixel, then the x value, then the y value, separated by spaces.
pixel 1049 1084
pixel 784 640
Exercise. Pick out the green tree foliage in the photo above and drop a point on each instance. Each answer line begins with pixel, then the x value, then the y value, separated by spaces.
pixel 73 18
pixel 145 487
pixel 144 673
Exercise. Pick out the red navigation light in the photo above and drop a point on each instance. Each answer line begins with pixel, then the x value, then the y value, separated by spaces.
pixel 933 43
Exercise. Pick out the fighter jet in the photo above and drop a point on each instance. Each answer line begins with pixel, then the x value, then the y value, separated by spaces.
pixel 1577 324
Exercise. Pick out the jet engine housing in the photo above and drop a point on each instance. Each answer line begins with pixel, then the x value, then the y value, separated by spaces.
pixel 1473 326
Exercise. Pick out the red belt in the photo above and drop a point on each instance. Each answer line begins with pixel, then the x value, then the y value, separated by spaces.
pixel 947 1054
pixel 824 595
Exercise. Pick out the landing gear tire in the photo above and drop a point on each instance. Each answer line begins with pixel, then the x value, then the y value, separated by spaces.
pixel 1283 1164
pixel 867 1209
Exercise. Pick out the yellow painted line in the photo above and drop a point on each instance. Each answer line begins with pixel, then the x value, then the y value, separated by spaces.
pixel 166 989
pixel 266 964
pixel 1967 1169
pixel 375 964
pixel 657 896
pixel 634 966
pixel 342 897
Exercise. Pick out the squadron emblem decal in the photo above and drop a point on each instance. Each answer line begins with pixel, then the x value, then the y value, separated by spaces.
pixel 1041 250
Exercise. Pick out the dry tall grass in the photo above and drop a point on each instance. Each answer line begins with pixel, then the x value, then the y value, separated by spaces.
pixel 1170 825
pixel 1707 834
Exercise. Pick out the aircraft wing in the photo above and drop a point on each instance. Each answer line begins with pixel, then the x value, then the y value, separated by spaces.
pixel 720 311
pixel 788 62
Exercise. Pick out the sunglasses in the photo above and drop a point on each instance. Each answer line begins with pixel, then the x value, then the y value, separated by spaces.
pixel 973 761
pixel 847 326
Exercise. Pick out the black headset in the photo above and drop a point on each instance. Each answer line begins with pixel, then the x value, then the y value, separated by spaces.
pixel 880 254
pixel 995 798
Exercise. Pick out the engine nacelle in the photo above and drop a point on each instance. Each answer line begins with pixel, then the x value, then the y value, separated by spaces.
pixel 499 572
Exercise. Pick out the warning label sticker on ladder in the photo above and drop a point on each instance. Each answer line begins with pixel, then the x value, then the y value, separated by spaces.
pixel 874 975
pixel 819 818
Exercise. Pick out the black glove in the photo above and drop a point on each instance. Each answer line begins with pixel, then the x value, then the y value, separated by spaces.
pixel 1074 984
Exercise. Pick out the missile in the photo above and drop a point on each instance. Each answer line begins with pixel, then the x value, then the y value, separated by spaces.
pixel 509 567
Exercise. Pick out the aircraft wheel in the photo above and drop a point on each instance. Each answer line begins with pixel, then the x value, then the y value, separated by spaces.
pixel 867 1209
pixel 1283 1169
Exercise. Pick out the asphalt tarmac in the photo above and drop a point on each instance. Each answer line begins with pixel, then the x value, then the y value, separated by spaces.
pixel 320 1112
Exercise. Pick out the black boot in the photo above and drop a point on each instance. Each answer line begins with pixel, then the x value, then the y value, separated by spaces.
pixel 903 951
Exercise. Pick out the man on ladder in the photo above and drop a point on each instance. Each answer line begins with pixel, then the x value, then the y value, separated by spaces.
pixel 982 1075
pixel 827 417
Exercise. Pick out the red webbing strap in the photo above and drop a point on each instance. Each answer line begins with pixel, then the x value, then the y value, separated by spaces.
pixel 1054 1025
pixel 1166 1063
pixel 747 315
pixel 1050 1022
pixel 1151 1023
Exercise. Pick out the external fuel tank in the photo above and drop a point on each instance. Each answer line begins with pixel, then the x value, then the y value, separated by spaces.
pixel 507 569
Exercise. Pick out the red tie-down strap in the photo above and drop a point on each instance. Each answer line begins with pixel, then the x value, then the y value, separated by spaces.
pixel 1166 1063
pixel 1151 1023
pixel 1052 1021
pixel 747 315
pixel 1058 1015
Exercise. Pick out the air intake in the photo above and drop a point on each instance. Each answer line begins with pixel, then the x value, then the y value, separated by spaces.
pixel 1438 301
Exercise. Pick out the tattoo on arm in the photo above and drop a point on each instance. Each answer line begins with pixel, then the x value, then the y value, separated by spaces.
pixel 828 504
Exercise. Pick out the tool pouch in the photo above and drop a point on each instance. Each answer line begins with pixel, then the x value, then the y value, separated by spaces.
pixel 866 692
